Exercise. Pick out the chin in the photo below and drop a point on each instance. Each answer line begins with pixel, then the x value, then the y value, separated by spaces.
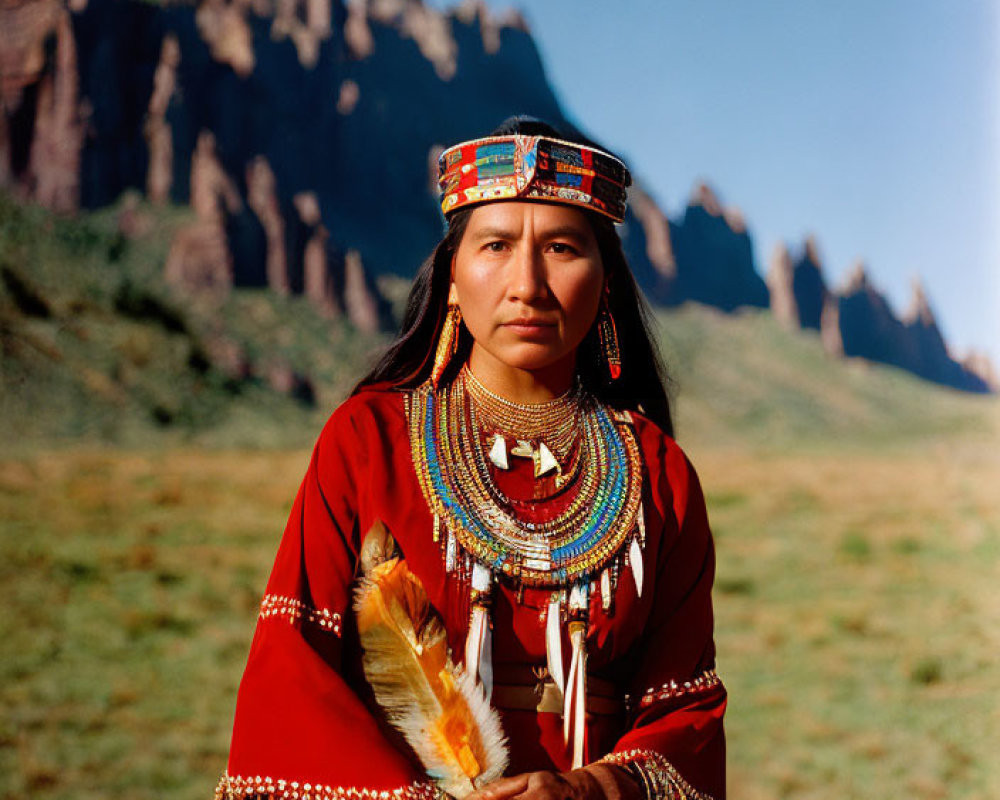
pixel 532 361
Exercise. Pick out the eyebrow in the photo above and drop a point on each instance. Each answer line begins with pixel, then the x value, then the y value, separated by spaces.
pixel 566 231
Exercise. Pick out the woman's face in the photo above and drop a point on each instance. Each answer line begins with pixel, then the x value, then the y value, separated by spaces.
pixel 528 278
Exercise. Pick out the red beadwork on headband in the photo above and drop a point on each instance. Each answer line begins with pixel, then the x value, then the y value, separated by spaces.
pixel 532 168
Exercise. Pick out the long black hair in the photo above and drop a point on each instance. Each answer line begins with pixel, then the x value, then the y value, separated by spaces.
pixel 642 384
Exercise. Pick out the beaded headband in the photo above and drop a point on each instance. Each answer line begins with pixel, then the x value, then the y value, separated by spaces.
pixel 532 168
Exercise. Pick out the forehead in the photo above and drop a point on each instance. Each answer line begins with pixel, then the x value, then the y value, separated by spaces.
pixel 514 215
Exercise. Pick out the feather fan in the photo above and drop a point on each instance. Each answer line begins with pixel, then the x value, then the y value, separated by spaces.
pixel 440 709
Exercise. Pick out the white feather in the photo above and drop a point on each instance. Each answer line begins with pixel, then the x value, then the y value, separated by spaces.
pixel 553 645
pixel 575 703
pixel 635 562
pixel 478 650
pixel 401 689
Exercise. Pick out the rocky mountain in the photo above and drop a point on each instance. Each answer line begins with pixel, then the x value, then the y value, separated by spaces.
pixel 715 264
pixel 870 329
pixel 301 133
pixel 857 320
pixel 799 295
pixel 304 135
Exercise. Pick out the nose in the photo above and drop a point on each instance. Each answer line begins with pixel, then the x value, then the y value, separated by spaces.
pixel 528 280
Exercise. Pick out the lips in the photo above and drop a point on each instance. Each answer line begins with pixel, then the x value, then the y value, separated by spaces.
pixel 531 322
pixel 532 329
pixel 531 326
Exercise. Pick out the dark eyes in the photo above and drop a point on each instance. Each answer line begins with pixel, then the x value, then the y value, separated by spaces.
pixel 559 248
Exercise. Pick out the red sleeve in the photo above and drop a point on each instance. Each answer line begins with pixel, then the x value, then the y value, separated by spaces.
pixel 299 726
pixel 677 701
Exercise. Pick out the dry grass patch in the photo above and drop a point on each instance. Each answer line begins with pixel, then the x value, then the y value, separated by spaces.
pixel 862 662
pixel 858 617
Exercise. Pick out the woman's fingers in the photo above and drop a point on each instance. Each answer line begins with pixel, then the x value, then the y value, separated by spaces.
pixel 575 785
pixel 501 789
pixel 546 786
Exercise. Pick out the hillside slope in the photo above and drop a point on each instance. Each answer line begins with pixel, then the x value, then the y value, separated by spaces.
pixel 96 347
pixel 747 379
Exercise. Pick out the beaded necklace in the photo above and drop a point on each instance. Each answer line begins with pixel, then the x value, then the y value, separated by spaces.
pixel 489 537
pixel 572 547
pixel 556 423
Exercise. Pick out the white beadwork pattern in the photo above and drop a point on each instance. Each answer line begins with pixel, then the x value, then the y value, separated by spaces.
pixel 292 609
pixel 237 787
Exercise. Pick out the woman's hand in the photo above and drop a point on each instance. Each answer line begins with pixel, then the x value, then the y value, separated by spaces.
pixel 595 782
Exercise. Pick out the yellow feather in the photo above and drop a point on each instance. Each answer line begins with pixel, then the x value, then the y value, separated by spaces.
pixel 440 710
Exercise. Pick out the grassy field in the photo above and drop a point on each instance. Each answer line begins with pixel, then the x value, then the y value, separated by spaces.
pixel 857 603
pixel 859 621
pixel 143 491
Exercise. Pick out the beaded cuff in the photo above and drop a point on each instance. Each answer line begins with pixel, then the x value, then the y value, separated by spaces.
pixel 237 787
pixel 657 777
pixel 532 168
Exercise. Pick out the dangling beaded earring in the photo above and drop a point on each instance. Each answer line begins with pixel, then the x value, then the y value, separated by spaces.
pixel 609 341
pixel 447 343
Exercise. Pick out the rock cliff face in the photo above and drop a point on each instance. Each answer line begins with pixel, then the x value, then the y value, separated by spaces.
pixel 647 245
pixel 870 329
pixel 858 321
pixel 980 366
pixel 780 279
pixel 42 124
pixel 799 295
pixel 292 128
pixel 714 257
pixel 304 134
pixel 808 287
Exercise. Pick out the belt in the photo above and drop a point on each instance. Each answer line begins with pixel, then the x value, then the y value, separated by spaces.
pixel 520 687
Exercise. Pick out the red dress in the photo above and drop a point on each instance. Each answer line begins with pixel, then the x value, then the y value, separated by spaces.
pixel 306 724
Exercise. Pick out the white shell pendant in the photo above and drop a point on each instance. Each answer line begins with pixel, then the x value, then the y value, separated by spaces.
pixel 498 452
pixel 450 552
pixel 480 577
pixel 575 698
pixel 546 462
pixel 606 590
pixel 479 642
pixel 522 449
pixel 553 643
pixel 479 650
pixel 635 562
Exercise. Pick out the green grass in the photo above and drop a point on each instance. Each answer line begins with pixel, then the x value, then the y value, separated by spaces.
pixel 855 511
pixel 96 347
pixel 857 617
pixel 745 378
pixel 121 658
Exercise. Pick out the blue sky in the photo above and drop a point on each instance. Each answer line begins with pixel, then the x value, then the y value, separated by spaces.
pixel 873 125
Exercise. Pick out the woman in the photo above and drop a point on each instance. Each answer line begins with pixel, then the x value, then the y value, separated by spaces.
pixel 515 442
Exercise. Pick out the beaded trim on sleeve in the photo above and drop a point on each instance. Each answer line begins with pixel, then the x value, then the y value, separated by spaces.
pixel 292 610
pixel 707 680
pixel 237 787
pixel 661 779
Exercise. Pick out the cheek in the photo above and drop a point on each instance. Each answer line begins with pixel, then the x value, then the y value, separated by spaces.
pixel 581 297
pixel 474 287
